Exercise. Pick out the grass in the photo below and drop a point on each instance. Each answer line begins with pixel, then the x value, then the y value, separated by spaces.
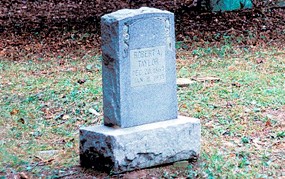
pixel 45 102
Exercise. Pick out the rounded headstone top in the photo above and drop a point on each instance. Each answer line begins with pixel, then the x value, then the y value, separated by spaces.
pixel 127 13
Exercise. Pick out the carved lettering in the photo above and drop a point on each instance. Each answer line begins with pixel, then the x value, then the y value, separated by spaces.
pixel 147 66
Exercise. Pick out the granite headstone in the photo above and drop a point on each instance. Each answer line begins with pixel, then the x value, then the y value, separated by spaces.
pixel 139 71
pixel 141 126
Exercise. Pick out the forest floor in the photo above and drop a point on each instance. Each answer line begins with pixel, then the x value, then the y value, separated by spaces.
pixel 50 86
pixel 247 28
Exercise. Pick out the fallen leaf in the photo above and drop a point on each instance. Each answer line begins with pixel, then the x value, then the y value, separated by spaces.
pixel 231 68
pixel 232 155
pixel 14 112
pixel 197 108
pixel 23 175
pixel 268 123
pixel 2 52
pixel 259 60
pixel 65 117
pixel 184 106
pixel 209 124
pixel 93 111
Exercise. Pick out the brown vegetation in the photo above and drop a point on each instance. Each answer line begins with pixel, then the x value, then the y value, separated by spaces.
pixel 52 28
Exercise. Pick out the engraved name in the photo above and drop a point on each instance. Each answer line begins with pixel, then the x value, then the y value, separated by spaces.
pixel 147 53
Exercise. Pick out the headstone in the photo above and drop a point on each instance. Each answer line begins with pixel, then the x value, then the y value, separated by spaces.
pixel 141 126
pixel 139 71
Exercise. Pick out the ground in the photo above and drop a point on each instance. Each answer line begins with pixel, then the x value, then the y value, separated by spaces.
pixel 237 92
pixel 242 113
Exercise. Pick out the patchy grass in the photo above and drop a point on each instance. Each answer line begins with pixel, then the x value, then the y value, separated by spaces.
pixel 242 114
pixel 44 102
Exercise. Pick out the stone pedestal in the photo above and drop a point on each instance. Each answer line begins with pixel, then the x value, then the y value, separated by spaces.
pixel 119 150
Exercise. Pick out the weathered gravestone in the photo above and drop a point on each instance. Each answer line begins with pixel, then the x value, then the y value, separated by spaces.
pixel 141 125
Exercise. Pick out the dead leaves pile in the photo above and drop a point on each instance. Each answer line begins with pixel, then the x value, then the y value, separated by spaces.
pixel 46 31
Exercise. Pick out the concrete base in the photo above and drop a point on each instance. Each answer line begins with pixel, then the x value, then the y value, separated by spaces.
pixel 119 150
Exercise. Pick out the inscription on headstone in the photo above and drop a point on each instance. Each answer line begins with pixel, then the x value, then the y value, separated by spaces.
pixel 147 66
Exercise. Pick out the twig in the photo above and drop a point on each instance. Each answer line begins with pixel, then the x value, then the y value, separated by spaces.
pixel 65 175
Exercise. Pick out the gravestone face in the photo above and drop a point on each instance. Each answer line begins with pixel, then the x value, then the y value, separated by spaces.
pixel 139 74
